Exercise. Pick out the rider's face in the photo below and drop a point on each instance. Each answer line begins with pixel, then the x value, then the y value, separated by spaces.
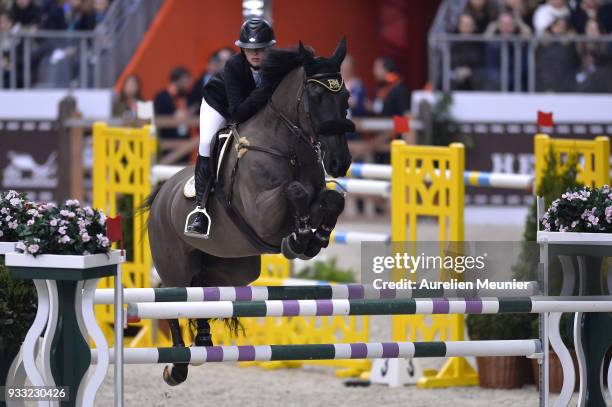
pixel 255 56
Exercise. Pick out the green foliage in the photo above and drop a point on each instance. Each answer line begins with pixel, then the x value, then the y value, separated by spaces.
pixel 13 207
pixel 444 127
pixel 17 309
pixel 499 326
pixel 327 271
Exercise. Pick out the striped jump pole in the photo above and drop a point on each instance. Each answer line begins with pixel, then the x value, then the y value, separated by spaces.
pixel 398 306
pixel 391 350
pixel 285 292
pixel 361 186
pixel 347 237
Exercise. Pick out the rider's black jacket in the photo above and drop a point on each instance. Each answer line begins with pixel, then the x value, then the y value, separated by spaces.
pixel 232 92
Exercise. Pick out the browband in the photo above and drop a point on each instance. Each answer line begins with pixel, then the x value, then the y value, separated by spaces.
pixel 332 82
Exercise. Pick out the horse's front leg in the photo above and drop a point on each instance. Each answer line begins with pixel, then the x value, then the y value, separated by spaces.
pixel 327 208
pixel 296 243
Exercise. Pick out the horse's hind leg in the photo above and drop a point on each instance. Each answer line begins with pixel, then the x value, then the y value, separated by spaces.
pixel 327 208
pixel 177 374
pixel 296 243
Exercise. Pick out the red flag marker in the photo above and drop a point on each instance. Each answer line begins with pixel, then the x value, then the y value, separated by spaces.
pixel 401 124
pixel 114 231
pixel 545 119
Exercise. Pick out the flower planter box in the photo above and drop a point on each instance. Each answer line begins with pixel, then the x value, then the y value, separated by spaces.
pixel 500 372
pixel 604 239
pixel 61 261
pixel 7 247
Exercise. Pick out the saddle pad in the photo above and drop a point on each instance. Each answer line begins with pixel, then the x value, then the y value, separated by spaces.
pixel 225 140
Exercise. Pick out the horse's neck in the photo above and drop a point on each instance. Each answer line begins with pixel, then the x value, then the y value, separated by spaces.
pixel 267 124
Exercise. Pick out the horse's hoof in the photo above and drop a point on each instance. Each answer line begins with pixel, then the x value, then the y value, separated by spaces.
pixel 287 250
pixel 173 376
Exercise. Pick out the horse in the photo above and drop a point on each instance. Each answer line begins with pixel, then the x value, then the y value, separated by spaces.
pixel 270 194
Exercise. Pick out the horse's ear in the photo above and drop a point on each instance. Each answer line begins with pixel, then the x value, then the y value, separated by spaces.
pixel 305 53
pixel 340 51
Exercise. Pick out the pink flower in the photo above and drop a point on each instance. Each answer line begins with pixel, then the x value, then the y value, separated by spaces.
pixel 32 212
pixel 5 211
pixel 102 240
pixel 30 222
pixel 102 220
pixel 85 237
pixel 72 202
pixel 33 248
pixel 67 214
pixel 89 211
pixel 15 201
pixel 54 222
pixel 20 246
pixel 12 225
pixel 64 239
pixel 62 230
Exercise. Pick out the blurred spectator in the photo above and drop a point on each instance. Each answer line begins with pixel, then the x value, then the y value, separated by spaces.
pixel 6 44
pixel 71 15
pixel 505 27
pixel 172 101
pixel 519 26
pixel 467 57
pixel 556 61
pixel 391 96
pixel 26 14
pixel 521 12
pixel 125 104
pixel 483 11
pixel 100 8
pixel 357 98
pixel 595 63
pixel 586 10
pixel 604 15
pixel 547 13
pixel 216 63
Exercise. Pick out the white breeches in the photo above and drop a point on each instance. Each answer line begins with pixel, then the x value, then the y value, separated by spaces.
pixel 210 122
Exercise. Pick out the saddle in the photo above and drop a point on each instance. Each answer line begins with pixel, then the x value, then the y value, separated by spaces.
pixel 220 146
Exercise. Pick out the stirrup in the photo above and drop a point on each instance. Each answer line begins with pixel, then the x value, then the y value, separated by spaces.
pixel 198 235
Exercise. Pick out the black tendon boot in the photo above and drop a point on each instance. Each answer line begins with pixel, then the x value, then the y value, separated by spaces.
pixel 203 183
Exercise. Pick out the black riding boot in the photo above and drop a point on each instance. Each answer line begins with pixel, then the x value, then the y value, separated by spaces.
pixel 203 181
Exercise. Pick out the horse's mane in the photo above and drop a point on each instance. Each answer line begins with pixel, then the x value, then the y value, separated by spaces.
pixel 279 62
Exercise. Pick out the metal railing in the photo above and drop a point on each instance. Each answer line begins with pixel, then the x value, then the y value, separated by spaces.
pixel 94 59
pixel 522 74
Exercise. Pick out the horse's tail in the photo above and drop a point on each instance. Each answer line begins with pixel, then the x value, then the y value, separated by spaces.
pixel 148 201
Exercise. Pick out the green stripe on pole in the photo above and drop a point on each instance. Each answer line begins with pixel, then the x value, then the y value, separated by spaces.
pixel 250 309
pixel 170 294
pixel 429 349
pixel 383 307
pixel 515 305
pixel 303 352
pixel 300 293
pixel 174 355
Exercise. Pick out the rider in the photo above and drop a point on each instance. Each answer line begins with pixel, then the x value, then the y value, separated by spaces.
pixel 233 95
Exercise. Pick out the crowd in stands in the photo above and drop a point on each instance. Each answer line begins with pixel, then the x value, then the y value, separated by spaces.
pixel 54 60
pixel 561 64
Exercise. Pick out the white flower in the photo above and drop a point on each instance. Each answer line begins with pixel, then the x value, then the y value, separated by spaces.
pixel 72 202
pixel 102 240
pixel 33 248
pixel 5 211
pixel 54 222
pixel 64 239
pixel 15 201
pixel 85 237
pixel 12 225
pixel 32 212
pixel 30 222
pixel 62 230
pixel 102 220
pixel 81 224
pixel 89 211
pixel 574 223
pixel 8 218
pixel 20 246
pixel 67 214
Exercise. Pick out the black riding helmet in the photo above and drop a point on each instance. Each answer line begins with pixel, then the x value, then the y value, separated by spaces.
pixel 256 33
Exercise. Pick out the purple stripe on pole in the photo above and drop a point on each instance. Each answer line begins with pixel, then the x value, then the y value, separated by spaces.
pixel 387 293
pixel 291 308
pixel 246 353
pixel 211 293
pixel 440 306
pixel 473 306
pixel 324 307
pixel 359 351
pixel 356 292
pixel 390 350
pixel 244 294
pixel 214 354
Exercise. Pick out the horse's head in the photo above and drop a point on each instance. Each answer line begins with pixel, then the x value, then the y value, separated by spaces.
pixel 325 104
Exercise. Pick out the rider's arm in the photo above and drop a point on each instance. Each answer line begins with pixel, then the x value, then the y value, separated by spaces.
pixel 241 109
